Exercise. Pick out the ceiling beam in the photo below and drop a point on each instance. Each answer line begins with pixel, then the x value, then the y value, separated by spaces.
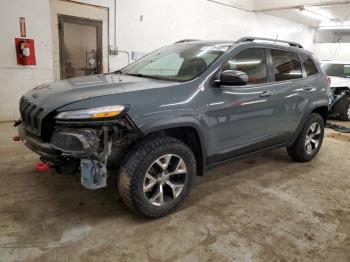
pixel 246 5
pixel 271 5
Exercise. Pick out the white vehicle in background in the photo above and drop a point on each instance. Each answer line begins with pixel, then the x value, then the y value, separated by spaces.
pixel 339 98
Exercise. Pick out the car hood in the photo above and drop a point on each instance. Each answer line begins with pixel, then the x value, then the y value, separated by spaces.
pixel 59 93
pixel 339 81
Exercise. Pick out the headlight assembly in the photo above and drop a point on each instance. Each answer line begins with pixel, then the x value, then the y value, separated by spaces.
pixel 92 113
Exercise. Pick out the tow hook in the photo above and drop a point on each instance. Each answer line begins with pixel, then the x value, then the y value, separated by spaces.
pixel 16 138
pixel 41 167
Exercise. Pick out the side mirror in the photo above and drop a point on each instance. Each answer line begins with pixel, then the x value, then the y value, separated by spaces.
pixel 233 78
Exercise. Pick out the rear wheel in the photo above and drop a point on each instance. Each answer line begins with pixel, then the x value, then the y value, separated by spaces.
pixel 309 140
pixel 157 176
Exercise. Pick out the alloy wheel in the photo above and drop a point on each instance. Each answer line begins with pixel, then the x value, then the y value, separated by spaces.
pixel 165 179
pixel 312 139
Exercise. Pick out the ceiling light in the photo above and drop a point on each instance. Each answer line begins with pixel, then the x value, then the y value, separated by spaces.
pixel 339 27
pixel 319 11
pixel 313 15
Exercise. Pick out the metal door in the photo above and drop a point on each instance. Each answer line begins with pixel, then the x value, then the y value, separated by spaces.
pixel 80 46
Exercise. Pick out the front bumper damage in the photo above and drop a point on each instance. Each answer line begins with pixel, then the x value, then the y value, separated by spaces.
pixel 81 149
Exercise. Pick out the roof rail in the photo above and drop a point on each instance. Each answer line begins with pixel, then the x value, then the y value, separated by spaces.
pixel 185 41
pixel 251 39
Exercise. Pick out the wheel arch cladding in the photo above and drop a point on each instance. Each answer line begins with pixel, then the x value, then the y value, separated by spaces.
pixel 186 130
pixel 323 111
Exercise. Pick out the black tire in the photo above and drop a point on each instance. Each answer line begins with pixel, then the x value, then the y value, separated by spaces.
pixel 342 107
pixel 298 150
pixel 138 162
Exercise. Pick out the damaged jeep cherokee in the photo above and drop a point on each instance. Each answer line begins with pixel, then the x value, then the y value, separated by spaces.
pixel 174 113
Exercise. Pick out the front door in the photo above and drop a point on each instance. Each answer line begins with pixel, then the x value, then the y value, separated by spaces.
pixel 241 117
pixel 80 46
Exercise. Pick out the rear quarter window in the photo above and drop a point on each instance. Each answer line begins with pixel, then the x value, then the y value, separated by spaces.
pixel 309 65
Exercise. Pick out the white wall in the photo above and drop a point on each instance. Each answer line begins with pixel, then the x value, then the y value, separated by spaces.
pixel 332 51
pixel 163 22
pixel 166 21
pixel 16 79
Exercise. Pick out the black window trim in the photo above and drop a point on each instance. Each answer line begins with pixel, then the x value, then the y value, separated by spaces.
pixel 270 74
pixel 303 70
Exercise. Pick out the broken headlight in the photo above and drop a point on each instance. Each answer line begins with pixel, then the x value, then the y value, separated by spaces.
pixel 92 113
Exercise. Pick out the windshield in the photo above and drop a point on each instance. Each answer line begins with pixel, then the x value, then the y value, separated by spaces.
pixel 181 62
pixel 341 70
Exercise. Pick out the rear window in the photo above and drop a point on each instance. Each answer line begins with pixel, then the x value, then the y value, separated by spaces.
pixel 286 65
pixel 309 65
pixel 341 70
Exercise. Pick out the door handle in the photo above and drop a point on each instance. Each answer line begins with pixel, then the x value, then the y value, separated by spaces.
pixel 265 94
pixel 307 88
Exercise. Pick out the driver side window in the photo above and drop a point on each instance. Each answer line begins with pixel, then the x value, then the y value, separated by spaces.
pixel 252 62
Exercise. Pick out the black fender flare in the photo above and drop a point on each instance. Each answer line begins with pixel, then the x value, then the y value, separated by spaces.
pixel 178 122
pixel 305 118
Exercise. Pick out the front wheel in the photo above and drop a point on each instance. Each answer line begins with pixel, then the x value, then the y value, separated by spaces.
pixel 309 141
pixel 157 176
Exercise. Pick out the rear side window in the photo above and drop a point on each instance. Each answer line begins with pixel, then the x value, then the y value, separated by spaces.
pixel 286 65
pixel 309 65
pixel 250 61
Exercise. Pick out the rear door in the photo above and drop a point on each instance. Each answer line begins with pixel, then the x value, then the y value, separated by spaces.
pixel 294 91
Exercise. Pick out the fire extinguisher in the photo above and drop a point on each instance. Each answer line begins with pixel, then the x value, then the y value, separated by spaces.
pixel 25 51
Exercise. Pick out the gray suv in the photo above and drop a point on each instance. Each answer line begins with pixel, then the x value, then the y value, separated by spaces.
pixel 155 124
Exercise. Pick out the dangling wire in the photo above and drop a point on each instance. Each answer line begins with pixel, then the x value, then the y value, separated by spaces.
pixel 336 50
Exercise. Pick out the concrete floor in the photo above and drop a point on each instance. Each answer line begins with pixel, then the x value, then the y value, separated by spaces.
pixel 265 208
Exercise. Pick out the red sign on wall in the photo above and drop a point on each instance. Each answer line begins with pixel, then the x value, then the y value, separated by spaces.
pixel 25 51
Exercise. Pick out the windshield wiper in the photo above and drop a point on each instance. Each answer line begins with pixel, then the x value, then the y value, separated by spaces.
pixel 156 77
pixel 146 76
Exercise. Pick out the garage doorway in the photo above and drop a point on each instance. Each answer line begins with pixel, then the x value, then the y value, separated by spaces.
pixel 80 41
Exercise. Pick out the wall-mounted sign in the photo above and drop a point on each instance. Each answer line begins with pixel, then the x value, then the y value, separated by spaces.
pixel 22 26
pixel 137 55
